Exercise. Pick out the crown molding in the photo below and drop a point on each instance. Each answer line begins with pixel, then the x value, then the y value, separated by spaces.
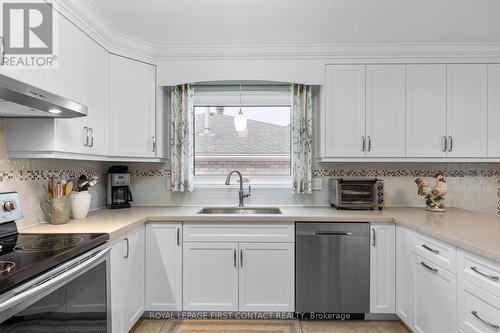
pixel 96 26
pixel 345 52
pixel 93 24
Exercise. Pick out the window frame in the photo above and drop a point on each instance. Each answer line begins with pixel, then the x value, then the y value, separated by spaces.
pixel 256 181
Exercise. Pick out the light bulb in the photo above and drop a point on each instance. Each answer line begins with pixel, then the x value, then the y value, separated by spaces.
pixel 240 122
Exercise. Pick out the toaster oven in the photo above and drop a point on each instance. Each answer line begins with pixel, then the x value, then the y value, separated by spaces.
pixel 356 193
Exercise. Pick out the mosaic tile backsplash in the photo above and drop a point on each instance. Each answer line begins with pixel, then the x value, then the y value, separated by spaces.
pixel 471 186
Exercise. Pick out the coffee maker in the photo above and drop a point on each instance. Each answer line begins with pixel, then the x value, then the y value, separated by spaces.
pixel 118 189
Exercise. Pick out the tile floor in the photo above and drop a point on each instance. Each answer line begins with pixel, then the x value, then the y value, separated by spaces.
pixel 187 326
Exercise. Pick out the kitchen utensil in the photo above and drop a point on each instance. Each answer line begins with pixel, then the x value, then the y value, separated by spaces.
pixel 68 188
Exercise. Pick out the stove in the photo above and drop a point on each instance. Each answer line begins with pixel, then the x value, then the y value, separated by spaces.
pixel 25 256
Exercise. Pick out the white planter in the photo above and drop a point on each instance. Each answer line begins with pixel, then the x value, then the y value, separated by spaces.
pixel 80 204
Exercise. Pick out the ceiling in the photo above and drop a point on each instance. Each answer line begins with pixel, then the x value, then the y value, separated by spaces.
pixel 238 22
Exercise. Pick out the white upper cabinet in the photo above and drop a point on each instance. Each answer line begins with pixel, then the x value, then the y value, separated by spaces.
pixel 69 81
pixel 426 110
pixel 96 124
pixel 385 110
pixel 493 110
pixel 132 107
pixel 467 110
pixel 344 118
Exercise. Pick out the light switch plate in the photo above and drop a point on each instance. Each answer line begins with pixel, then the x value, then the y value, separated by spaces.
pixel 317 183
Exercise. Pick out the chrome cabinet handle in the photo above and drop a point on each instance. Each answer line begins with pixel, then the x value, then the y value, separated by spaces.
pixel 91 130
pixel 491 277
pixel 374 236
pixel 128 248
pixel 450 145
pixel 444 144
pixel 430 249
pixel 241 258
pixel 153 144
pixel 178 236
pixel 2 60
pixel 493 326
pixel 332 233
pixel 363 143
pixel 85 136
pixel 369 143
pixel 435 270
pixel 234 257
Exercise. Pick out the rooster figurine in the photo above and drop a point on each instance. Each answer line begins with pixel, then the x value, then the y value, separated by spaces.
pixel 434 196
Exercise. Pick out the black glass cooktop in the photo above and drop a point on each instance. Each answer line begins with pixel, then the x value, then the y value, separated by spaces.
pixel 24 256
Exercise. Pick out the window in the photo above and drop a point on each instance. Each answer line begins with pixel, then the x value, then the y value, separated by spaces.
pixel 263 148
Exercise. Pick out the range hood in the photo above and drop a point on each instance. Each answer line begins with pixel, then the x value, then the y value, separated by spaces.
pixel 20 100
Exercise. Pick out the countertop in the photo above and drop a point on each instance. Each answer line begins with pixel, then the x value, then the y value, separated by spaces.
pixel 475 232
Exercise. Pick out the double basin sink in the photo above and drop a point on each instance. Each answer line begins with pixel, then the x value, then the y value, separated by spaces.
pixel 241 210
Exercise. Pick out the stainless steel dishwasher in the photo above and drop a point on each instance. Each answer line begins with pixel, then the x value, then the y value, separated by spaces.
pixel 332 264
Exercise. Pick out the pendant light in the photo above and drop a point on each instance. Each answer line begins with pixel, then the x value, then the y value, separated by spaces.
pixel 240 121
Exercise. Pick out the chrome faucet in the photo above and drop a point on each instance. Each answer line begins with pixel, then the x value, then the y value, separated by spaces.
pixel 241 194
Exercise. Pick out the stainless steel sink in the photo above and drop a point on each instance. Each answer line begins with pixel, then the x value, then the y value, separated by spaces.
pixel 240 210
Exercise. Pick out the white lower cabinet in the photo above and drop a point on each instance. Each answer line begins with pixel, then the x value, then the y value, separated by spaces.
pixel 127 280
pixel 164 266
pixel 435 298
pixel 382 268
pixel 405 276
pixel 266 277
pixel 478 310
pixel 244 277
pixel 210 278
pixel 238 275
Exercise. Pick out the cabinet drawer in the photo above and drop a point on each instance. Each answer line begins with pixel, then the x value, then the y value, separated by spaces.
pixel 239 232
pixel 482 272
pixel 478 310
pixel 439 253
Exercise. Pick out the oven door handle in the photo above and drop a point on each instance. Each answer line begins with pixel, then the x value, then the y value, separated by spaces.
pixel 62 275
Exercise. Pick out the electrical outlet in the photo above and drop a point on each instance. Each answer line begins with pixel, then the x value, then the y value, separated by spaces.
pixel 317 183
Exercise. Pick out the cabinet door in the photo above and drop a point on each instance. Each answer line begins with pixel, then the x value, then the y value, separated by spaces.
pixel 385 110
pixel 344 120
pixel 96 60
pixel 435 298
pixel 266 279
pixel 493 110
pixel 467 110
pixel 405 277
pixel 425 110
pixel 117 285
pixel 210 276
pixel 382 268
pixel 70 82
pixel 132 106
pixel 134 263
pixel 163 267
pixel 478 310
